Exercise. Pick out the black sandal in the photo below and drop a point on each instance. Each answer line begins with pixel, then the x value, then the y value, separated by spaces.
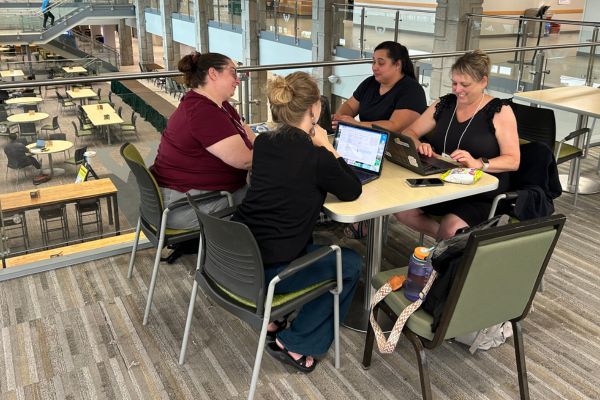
pixel 351 232
pixel 284 356
pixel 281 325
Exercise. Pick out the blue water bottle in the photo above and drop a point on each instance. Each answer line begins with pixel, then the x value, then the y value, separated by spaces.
pixel 419 270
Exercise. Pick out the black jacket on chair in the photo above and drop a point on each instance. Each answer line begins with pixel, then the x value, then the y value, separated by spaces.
pixel 536 181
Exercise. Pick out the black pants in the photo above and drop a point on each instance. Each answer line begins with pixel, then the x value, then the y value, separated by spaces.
pixel 47 15
pixel 35 162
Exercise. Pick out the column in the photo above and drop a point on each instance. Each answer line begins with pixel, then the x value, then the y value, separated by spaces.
pixel 171 53
pixel 450 35
pixel 146 51
pixel 253 21
pixel 322 42
pixel 202 13
pixel 125 43
pixel 108 31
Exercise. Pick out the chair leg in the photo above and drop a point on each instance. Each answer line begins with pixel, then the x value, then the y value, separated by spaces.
pixel 259 351
pixel 422 361
pixel 161 243
pixel 134 248
pixel 188 323
pixel 520 356
pixel 336 329
pixel 369 341
pixel 577 175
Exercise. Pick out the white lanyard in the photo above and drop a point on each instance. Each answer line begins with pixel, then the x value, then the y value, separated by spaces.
pixel 467 127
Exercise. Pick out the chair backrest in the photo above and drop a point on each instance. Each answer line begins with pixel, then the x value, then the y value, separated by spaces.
pixel 79 154
pixel 57 136
pixel 498 276
pixel 120 111
pixel 75 126
pixel 27 128
pixel 133 118
pixel 232 258
pixel 151 203
pixel 55 122
pixel 30 107
pixel 535 124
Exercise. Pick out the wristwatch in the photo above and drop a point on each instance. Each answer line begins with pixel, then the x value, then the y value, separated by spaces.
pixel 485 164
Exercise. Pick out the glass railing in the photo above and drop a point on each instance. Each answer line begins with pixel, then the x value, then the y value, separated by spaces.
pixel 91 113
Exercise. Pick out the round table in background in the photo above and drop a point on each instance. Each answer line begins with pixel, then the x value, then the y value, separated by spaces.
pixel 24 100
pixel 27 117
pixel 51 147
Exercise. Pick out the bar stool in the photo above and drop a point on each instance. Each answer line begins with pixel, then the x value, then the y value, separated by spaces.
pixel 88 208
pixel 17 224
pixel 54 219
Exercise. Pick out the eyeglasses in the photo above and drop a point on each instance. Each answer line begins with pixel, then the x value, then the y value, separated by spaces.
pixel 234 73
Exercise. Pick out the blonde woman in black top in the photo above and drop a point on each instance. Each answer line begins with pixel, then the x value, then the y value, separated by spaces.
pixel 293 169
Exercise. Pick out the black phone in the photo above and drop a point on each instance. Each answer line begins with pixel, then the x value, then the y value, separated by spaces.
pixel 424 182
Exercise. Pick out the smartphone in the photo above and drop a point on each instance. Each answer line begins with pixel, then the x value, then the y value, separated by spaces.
pixel 423 182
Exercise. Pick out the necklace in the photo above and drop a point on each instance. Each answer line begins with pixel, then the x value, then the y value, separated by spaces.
pixel 467 127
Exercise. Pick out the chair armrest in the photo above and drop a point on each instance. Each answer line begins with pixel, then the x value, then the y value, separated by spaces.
pixel 499 198
pixel 199 197
pixel 575 134
pixel 306 260
pixel 223 213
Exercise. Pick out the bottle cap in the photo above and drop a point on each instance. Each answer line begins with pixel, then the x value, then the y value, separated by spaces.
pixel 421 252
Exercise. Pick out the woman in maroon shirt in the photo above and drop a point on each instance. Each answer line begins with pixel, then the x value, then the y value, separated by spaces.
pixel 205 145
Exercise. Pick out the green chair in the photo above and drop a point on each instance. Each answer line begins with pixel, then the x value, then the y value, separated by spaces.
pixel 81 132
pixel 536 124
pixel 496 281
pixel 54 126
pixel 231 272
pixel 154 215
pixel 129 128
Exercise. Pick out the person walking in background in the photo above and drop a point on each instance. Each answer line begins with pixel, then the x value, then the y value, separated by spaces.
pixel 47 13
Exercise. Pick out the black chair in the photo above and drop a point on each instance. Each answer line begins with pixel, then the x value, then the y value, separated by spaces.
pixel 54 219
pixel 496 281
pixel 15 227
pixel 154 216
pixel 89 212
pixel 231 272
pixel 18 163
pixel 54 126
pixel 30 107
pixel 78 158
pixel 28 130
pixel 536 124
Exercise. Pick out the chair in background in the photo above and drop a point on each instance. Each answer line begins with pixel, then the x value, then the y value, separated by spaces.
pixel 154 215
pixel 54 126
pixel 109 101
pixel 81 133
pixel 30 107
pixel 129 128
pixel 536 124
pixel 54 219
pixel 78 157
pixel 60 136
pixel 231 272
pixel 6 127
pixel 15 228
pixel 63 103
pixel 513 256
pixel 98 96
pixel 28 130
pixel 89 212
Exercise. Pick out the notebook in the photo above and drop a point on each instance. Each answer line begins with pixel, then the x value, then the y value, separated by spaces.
pixel 402 151
pixel 362 149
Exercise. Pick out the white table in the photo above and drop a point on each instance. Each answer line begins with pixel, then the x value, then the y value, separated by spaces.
pixel 27 117
pixel 74 70
pixel 81 94
pixel 102 116
pixel 51 147
pixel 14 73
pixel 384 196
pixel 581 100
pixel 24 100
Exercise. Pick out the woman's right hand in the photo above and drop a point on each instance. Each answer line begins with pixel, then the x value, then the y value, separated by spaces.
pixel 425 149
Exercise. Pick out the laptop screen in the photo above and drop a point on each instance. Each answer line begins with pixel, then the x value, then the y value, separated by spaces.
pixel 361 147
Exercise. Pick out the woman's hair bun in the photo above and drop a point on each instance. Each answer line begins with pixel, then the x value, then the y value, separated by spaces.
pixel 280 91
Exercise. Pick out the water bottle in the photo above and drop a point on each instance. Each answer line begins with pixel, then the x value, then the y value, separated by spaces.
pixel 419 270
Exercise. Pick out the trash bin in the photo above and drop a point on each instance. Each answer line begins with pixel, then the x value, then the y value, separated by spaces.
pixel 99 38
pixel 554 27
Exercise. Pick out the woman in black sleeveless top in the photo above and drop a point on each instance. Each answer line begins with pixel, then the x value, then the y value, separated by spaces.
pixel 474 129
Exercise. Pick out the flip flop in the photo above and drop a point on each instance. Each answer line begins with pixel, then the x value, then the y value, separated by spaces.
pixel 283 356
pixel 281 325
pixel 352 232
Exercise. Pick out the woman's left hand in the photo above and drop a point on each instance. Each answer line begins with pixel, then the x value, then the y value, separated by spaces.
pixel 465 158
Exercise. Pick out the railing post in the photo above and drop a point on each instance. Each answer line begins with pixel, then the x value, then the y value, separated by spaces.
pixel 296 23
pixel 276 10
pixel 396 24
pixel 538 70
pixel 521 58
pixel 468 33
pixel 219 13
pixel 590 69
pixel 362 32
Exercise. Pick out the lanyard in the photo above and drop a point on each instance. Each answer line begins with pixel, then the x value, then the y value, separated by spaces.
pixel 467 127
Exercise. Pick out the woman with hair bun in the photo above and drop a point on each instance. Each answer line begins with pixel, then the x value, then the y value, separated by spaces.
pixel 205 146
pixel 293 170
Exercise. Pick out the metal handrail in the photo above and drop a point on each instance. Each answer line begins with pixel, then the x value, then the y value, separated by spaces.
pixel 537 19
pixel 340 5
pixel 272 67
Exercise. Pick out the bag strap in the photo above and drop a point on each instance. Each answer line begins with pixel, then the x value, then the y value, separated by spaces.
pixel 389 345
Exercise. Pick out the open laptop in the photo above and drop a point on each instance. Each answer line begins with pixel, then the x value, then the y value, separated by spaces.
pixel 402 151
pixel 362 149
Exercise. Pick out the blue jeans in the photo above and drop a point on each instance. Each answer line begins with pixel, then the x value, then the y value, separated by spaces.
pixel 311 332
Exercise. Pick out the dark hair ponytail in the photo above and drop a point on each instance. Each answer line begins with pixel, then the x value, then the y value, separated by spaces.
pixel 195 67
pixel 398 52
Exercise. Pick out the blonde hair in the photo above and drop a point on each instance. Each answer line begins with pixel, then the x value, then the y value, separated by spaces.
pixel 291 96
pixel 474 63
